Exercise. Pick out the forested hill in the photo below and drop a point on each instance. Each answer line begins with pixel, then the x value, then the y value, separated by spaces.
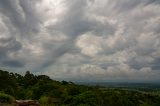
pixel 56 93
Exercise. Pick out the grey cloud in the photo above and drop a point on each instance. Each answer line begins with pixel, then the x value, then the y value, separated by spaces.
pixel 75 22
pixel 72 22
pixel 13 63
pixel 22 15
pixel 8 46
pixel 153 1
pixel 155 65
pixel 126 5
pixel 108 40
pixel 55 54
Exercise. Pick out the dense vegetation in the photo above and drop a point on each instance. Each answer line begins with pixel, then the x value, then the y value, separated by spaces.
pixel 56 93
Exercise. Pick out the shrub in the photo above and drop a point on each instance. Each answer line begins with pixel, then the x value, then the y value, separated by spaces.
pixel 43 100
pixel 5 98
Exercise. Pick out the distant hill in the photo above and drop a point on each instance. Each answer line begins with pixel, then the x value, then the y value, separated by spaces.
pixel 127 85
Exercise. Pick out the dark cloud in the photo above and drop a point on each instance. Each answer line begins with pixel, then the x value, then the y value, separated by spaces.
pixel 153 1
pixel 155 65
pixel 22 15
pixel 126 5
pixel 13 63
pixel 55 54
pixel 9 46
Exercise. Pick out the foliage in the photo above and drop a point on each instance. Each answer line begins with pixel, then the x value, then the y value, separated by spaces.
pixel 5 98
pixel 44 100
pixel 55 93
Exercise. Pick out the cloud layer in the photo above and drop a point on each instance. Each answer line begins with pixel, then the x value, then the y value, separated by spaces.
pixel 84 40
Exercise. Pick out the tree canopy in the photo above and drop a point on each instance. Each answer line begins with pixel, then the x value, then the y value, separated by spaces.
pixel 63 93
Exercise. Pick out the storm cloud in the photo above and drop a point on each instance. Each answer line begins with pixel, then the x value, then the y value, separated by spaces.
pixel 82 40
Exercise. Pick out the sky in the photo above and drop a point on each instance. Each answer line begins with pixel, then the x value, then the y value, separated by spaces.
pixel 82 40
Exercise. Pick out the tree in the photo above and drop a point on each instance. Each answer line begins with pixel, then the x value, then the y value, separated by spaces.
pixel 29 79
